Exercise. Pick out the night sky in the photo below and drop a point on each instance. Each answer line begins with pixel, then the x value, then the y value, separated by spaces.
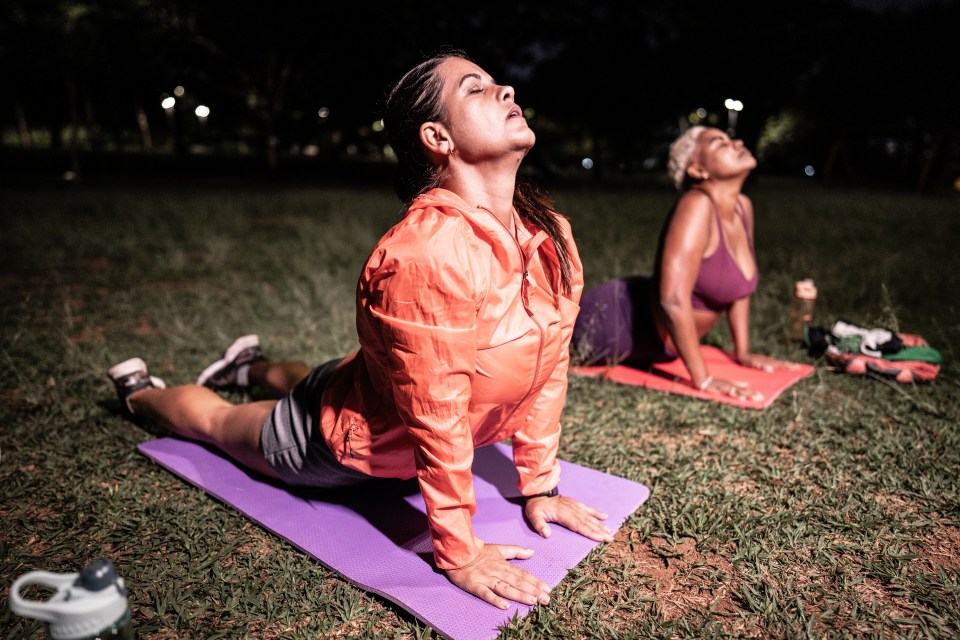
pixel 616 79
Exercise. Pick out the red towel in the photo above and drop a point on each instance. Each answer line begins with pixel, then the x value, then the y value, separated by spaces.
pixel 673 377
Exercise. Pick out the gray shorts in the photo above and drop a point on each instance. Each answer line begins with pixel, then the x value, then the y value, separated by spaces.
pixel 293 443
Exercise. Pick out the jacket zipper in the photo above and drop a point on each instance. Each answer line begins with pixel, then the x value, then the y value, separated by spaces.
pixel 346 440
pixel 523 283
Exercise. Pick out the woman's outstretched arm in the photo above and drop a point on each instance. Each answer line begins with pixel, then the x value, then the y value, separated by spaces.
pixel 739 322
pixel 687 237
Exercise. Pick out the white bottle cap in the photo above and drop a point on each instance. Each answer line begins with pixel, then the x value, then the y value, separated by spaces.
pixel 80 608
pixel 806 289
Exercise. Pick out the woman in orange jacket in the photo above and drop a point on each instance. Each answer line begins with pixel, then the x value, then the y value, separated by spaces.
pixel 465 310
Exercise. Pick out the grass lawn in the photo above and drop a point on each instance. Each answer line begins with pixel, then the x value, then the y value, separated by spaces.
pixel 833 513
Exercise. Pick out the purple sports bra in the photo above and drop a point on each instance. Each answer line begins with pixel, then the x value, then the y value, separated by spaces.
pixel 720 282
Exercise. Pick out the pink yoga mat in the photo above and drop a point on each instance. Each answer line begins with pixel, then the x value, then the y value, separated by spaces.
pixel 377 538
pixel 673 377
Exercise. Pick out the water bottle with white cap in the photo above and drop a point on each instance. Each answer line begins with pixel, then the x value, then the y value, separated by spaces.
pixel 90 605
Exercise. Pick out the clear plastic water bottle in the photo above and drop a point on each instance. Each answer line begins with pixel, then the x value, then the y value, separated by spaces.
pixel 801 311
pixel 90 605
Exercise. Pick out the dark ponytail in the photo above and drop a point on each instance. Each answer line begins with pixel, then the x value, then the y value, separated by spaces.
pixel 536 207
pixel 415 99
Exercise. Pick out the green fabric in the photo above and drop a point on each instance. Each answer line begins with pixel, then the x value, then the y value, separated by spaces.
pixel 923 354
pixel 847 344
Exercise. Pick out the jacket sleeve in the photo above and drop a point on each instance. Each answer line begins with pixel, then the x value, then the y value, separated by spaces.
pixel 535 445
pixel 425 299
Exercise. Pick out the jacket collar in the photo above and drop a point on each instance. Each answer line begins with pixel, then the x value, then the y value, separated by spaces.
pixel 441 198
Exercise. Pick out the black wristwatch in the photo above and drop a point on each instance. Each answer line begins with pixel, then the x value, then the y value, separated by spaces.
pixel 546 494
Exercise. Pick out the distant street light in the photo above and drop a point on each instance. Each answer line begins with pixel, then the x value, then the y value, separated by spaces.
pixel 168 103
pixel 733 108
pixel 203 112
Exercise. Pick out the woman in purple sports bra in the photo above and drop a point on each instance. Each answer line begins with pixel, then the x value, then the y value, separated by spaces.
pixel 705 268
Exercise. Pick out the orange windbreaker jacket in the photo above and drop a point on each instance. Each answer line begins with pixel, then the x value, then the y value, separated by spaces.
pixel 464 342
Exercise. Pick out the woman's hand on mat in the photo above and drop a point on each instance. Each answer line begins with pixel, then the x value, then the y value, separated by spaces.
pixel 734 389
pixel 569 513
pixel 492 579
pixel 766 363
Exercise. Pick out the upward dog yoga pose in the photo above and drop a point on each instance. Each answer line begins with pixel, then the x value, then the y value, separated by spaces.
pixel 705 268
pixel 465 311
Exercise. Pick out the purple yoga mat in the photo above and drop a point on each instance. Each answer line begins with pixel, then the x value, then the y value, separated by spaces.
pixel 378 539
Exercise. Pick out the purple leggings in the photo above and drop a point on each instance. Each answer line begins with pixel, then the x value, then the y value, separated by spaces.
pixel 616 325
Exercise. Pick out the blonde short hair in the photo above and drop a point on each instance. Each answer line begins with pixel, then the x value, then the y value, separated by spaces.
pixel 680 152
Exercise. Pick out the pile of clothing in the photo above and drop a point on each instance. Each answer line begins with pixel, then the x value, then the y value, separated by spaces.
pixel 858 350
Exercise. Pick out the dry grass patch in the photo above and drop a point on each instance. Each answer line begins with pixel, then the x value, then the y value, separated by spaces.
pixel 941 550
pixel 680 578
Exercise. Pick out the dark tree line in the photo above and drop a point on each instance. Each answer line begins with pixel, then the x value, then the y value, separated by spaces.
pixel 613 80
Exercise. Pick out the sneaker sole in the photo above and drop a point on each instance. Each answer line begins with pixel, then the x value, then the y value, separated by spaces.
pixel 246 342
pixel 129 367
pixel 126 367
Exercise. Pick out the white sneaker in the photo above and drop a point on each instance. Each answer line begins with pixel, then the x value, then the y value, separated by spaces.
pixel 131 375
pixel 231 371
